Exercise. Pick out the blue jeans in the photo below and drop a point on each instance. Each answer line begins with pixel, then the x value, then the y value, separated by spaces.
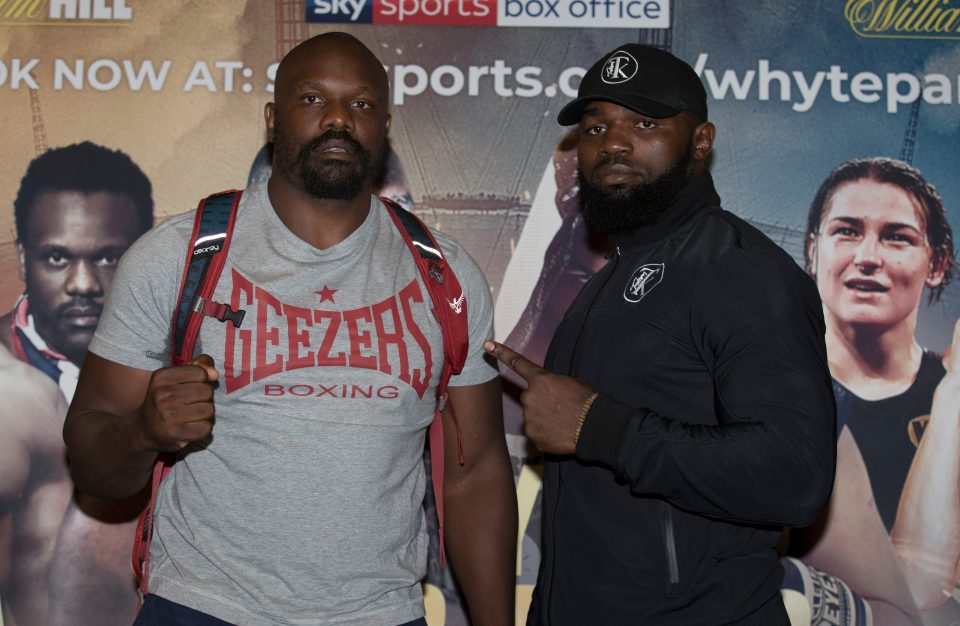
pixel 157 611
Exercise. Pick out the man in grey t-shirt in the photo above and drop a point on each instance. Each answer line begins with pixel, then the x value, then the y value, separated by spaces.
pixel 301 504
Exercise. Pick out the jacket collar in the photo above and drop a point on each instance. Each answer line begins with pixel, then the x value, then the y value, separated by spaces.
pixel 692 201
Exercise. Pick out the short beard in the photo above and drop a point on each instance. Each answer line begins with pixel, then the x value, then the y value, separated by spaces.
pixel 326 178
pixel 624 208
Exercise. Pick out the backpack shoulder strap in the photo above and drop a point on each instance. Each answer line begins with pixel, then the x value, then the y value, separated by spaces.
pixel 449 302
pixel 450 309
pixel 206 255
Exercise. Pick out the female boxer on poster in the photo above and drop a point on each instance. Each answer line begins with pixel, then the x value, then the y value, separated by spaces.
pixel 877 236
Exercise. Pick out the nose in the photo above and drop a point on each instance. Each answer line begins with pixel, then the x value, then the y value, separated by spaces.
pixel 615 141
pixel 867 256
pixel 337 116
pixel 83 279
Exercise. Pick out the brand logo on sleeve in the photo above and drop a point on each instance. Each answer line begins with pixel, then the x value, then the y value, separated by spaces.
pixel 642 282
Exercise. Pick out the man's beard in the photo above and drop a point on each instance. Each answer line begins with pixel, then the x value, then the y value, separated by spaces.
pixel 322 177
pixel 53 325
pixel 625 208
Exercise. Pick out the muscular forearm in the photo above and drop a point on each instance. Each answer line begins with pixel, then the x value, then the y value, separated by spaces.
pixel 121 417
pixel 108 455
pixel 926 534
pixel 481 536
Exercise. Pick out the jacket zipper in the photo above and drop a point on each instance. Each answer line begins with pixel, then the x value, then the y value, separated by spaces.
pixel 670 542
pixel 593 300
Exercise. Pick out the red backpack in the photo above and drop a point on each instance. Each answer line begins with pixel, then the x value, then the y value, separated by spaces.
pixel 206 256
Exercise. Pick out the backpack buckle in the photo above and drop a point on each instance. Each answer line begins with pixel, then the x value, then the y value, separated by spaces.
pixel 220 311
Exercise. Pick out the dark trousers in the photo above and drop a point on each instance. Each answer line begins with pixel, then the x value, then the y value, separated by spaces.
pixel 157 611
pixel 773 613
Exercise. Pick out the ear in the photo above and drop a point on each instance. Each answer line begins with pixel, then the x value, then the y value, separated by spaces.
pixel 812 254
pixel 387 126
pixel 703 137
pixel 938 267
pixel 269 116
pixel 23 261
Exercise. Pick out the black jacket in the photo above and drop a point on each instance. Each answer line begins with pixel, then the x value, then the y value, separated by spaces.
pixel 713 428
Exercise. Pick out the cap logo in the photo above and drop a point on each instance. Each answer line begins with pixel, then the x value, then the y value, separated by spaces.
pixel 619 68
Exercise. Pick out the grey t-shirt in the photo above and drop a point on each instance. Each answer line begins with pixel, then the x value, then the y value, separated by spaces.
pixel 306 507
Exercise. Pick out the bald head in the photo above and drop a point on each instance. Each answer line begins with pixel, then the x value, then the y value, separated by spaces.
pixel 335 45
pixel 330 119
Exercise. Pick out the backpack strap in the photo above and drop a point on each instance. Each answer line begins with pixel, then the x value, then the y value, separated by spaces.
pixel 450 309
pixel 212 232
pixel 206 255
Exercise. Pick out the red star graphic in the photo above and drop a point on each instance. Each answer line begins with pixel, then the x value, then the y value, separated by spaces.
pixel 326 294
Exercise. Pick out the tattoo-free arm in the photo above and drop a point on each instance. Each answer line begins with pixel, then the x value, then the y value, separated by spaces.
pixel 926 533
pixel 481 504
pixel 849 542
pixel 121 417
pixel 109 457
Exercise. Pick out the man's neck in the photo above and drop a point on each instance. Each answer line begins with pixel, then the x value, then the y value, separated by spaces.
pixel 320 222
pixel 693 199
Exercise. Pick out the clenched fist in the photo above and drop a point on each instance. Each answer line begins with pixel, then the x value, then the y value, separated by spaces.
pixel 178 408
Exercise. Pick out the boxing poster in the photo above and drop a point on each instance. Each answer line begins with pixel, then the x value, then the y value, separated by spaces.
pixel 837 126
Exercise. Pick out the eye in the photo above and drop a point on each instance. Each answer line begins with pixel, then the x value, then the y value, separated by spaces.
pixel 845 232
pixel 311 98
pixel 902 239
pixel 646 124
pixel 362 105
pixel 594 129
pixel 56 259
pixel 107 260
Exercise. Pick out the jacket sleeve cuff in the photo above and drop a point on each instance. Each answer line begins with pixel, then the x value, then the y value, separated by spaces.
pixel 603 431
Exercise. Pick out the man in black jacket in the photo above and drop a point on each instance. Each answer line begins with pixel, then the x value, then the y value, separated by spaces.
pixel 685 409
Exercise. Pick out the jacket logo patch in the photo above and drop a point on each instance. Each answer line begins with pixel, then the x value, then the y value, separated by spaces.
pixel 642 282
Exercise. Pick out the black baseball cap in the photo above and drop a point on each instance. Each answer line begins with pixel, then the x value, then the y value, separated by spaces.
pixel 644 79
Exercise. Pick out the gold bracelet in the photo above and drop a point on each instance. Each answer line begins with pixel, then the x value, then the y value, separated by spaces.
pixel 584 409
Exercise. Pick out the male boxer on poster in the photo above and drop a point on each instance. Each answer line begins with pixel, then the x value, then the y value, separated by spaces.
pixel 694 428
pixel 294 507
pixel 77 210
pixel 34 487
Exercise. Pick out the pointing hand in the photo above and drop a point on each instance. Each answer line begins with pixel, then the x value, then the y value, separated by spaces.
pixel 551 403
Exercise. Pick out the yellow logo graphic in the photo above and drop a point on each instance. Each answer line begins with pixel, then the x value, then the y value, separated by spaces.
pixel 915 429
pixel 904 19
pixel 64 12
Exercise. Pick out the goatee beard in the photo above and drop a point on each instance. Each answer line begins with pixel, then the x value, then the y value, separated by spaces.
pixel 625 208
pixel 322 177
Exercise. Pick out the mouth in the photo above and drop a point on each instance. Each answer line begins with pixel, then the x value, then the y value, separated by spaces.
pixel 866 286
pixel 81 318
pixel 614 174
pixel 336 148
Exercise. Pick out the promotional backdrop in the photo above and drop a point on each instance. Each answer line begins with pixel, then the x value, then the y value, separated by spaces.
pixel 795 89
